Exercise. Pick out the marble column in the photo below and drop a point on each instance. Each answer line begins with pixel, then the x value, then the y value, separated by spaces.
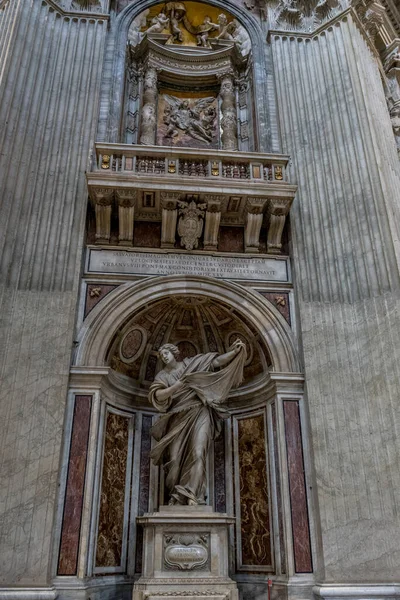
pixel 229 113
pixel 148 125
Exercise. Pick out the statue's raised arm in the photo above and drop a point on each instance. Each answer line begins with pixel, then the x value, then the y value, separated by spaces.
pixel 191 393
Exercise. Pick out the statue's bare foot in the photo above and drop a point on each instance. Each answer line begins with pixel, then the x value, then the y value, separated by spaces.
pixel 192 503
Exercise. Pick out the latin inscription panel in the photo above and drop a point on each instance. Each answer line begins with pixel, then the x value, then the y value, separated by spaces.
pixel 250 268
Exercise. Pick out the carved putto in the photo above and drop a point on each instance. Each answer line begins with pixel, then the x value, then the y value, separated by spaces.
pixel 158 23
pixel 187 29
pixel 197 121
pixel 204 30
pixel 190 224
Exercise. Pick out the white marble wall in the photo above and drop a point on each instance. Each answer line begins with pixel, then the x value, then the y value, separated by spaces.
pixel 50 67
pixel 345 220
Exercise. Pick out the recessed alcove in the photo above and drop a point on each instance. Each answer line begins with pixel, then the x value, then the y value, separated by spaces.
pixel 196 325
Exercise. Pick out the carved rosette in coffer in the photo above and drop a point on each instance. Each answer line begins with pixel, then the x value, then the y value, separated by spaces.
pixel 186 552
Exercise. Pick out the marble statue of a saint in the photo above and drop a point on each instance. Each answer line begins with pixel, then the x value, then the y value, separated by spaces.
pixel 191 393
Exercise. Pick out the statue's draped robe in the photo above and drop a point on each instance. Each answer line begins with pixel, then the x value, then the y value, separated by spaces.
pixel 193 419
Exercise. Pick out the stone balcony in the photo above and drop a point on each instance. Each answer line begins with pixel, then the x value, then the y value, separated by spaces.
pixel 146 183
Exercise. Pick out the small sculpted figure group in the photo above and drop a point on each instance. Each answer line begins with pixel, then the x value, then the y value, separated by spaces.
pixel 174 14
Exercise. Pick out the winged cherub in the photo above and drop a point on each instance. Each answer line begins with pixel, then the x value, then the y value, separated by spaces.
pixel 204 30
pixel 158 23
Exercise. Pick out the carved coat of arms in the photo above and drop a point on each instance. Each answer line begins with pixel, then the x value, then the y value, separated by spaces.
pixel 190 224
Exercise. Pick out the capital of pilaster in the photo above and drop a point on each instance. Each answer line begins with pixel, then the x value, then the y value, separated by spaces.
pixel 102 196
pixel 169 200
pixel 279 207
pixel 126 198
pixel 255 206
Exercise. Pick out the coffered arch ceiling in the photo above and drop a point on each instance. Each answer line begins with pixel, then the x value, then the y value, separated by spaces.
pixel 193 323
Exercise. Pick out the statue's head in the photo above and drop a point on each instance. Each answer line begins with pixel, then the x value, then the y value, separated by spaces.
pixel 222 20
pixel 168 352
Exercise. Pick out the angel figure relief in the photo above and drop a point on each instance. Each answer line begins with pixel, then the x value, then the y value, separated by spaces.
pixel 197 120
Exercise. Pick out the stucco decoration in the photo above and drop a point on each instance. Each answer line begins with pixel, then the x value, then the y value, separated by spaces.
pixel 303 15
pixel 189 24
pixel 79 5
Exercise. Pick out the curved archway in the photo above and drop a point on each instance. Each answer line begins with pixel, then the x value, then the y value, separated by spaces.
pixel 102 323
pixel 109 127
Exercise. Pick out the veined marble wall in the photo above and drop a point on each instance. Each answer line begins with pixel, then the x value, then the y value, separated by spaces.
pixel 334 123
pixel 50 70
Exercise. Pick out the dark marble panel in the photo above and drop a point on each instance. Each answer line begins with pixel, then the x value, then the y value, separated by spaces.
pixel 281 301
pixel 254 506
pixel 278 492
pixel 219 472
pixel 94 293
pixel 112 497
pixel 144 485
pixel 297 488
pixel 231 239
pixel 147 234
pixel 71 526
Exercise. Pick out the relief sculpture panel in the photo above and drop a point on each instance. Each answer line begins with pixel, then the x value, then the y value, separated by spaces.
pixel 187 121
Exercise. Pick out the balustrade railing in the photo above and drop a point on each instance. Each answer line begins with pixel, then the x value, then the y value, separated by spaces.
pixel 182 163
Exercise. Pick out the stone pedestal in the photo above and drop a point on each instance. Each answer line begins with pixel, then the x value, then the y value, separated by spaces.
pixel 185 554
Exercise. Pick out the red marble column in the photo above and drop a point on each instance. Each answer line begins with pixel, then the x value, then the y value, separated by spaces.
pixel 71 526
pixel 297 488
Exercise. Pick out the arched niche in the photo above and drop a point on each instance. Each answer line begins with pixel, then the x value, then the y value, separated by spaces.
pixel 248 470
pixel 118 112
pixel 99 329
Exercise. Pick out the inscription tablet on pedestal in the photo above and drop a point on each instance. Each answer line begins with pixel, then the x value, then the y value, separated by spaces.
pixel 253 268
pixel 186 552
